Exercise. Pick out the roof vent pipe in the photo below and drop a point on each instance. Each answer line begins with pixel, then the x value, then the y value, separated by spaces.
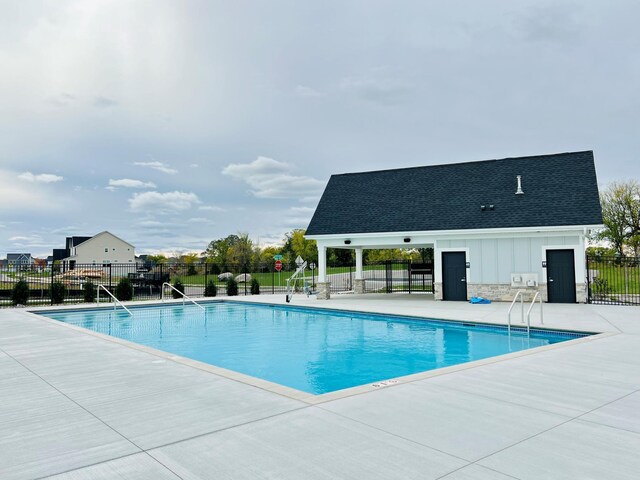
pixel 519 190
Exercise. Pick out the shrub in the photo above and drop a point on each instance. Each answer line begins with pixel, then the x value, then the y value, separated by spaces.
pixel 600 286
pixel 124 290
pixel 232 287
pixel 214 269
pixel 89 292
pixel 255 287
pixel 210 290
pixel 177 284
pixel 58 292
pixel 20 293
pixel 191 270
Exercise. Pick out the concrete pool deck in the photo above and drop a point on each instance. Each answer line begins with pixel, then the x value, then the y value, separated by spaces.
pixel 74 405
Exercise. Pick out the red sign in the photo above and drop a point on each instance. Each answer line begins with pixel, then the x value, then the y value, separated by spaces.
pixel 278 265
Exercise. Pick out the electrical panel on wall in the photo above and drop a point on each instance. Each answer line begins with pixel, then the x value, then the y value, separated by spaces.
pixel 524 280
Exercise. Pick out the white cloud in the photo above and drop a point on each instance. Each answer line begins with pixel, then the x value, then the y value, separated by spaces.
pixel 269 178
pixel 150 223
pixel 29 199
pixel 20 238
pixel 302 210
pixel 194 165
pixel 40 178
pixel 211 208
pixel 161 167
pixel 130 183
pixel 260 166
pixel 156 202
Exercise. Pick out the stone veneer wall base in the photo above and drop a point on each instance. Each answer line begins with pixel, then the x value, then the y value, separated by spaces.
pixel 323 290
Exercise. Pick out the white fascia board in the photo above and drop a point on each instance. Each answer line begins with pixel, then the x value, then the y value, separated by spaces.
pixel 106 232
pixel 396 239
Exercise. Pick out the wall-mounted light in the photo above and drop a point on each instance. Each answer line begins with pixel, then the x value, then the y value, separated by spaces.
pixel 491 207
pixel 347 242
pixel 407 240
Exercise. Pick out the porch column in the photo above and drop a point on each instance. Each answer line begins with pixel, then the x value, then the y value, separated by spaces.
pixel 359 264
pixel 322 264
pixel 358 283
pixel 324 287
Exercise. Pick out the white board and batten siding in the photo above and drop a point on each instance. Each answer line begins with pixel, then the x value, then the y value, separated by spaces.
pixel 495 260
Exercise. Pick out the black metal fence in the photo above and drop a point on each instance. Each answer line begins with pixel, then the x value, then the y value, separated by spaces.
pixel 69 283
pixel 613 280
pixel 398 276
pixel 147 280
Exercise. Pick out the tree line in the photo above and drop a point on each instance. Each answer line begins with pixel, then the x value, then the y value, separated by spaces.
pixel 240 249
pixel 620 203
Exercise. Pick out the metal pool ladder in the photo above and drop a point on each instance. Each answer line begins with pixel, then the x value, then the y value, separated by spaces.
pixel 521 295
pixel 184 296
pixel 537 296
pixel 115 300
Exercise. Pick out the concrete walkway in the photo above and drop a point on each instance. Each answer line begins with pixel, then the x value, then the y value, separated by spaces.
pixel 74 405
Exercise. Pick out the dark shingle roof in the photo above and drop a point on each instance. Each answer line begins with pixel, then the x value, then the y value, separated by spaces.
pixel 559 189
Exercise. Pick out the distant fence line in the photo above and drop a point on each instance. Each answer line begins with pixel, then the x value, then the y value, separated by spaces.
pixel 147 280
pixel 610 279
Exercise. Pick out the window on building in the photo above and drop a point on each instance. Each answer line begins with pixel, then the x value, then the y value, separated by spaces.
pixel 106 250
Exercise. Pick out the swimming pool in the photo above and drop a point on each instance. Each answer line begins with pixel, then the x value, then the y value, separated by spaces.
pixel 313 350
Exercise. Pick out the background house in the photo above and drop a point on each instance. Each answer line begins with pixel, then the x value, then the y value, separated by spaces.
pixel 496 226
pixel 103 248
pixel 19 261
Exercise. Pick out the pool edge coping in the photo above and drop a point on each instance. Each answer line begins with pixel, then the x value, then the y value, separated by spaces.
pixel 299 395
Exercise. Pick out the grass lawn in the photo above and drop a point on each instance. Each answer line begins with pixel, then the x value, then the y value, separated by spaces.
pixel 612 279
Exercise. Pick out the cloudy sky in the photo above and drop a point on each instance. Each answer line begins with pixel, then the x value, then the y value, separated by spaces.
pixel 172 123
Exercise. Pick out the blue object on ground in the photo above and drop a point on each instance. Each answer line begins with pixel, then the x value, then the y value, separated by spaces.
pixel 479 300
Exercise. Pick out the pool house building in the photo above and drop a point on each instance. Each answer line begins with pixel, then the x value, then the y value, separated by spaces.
pixel 496 226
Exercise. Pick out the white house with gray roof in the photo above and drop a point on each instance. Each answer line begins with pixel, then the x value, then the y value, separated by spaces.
pixel 103 248
pixel 496 226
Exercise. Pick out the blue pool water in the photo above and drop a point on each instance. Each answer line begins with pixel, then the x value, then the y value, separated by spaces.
pixel 317 351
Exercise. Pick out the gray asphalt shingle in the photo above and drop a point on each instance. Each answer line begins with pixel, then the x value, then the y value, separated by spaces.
pixel 559 189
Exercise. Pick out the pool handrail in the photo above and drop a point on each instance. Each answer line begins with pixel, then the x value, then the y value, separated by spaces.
pixel 184 296
pixel 520 294
pixel 533 302
pixel 115 300
pixel 293 280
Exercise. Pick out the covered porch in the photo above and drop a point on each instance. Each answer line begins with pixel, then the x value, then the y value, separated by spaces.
pixel 389 276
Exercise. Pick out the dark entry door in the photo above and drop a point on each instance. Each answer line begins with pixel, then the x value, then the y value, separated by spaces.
pixel 454 276
pixel 561 274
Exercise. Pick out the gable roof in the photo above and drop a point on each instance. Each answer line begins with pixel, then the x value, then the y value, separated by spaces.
pixel 12 257
pixel 106 232
pixel 559 189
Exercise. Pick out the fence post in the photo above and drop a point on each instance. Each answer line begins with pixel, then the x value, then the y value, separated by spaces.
pixel 588 279
pixel 51 286
pixel 244 268
pixel 409 273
